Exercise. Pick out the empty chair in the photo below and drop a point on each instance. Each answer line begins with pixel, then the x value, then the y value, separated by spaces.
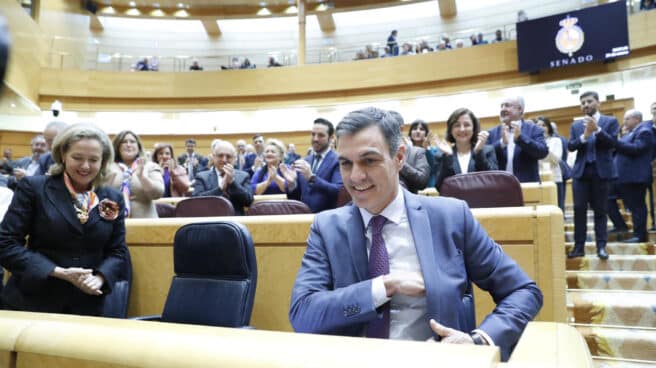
pixel 165 210
pixel 278 207
pixel 204 207
pixel 484 189
pixel 215 276
pixel 116 303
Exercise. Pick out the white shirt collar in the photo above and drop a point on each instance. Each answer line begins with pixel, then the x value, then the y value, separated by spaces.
pixel 324 153
pixel 393 212
pixel 596 116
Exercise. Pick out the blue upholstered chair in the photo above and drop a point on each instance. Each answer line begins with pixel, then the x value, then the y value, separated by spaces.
pixel 215 276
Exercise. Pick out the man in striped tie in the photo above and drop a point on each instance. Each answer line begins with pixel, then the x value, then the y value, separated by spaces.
pixel 398 265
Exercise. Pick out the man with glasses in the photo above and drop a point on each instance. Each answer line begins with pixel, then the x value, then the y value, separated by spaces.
pixel 224 180
pixel 518 144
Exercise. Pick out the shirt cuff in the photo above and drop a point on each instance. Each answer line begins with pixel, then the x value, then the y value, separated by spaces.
pixel 501 143
pixel 485 336
pixel 378 292
pixel 582 138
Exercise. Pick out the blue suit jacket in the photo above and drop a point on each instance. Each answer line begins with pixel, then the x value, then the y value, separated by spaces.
pixel 322 194
pixel 605 142
pixel 529 148
pixel 634 152
pixel 42 209
pixel 332 294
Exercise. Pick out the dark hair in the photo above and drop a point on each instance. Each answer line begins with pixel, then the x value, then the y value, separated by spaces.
pixel 547 124
pixel 117 144
pixel 322 121
pixel 454 118
pixel 592 94
pixel 398 117
pixel 358 120
pixel 415 124
pixel 160 147
pixel 258 135
pixel 190 140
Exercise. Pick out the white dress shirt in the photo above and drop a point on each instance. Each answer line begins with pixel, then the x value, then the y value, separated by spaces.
pixel 463 161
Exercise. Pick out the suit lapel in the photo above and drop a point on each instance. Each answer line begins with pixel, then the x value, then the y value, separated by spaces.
pixel 327 161
pixel 418 220
pixel 214 180
pixel 60 199
pixel 471 165
pixel 357 242
pixel 456 163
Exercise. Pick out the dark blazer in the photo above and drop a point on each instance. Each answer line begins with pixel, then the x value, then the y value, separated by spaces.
pixel 45 161
pixel 415 171
pixel 482 161
pixel 604 142
pixel 529 148
pixel 322 194
pixel 202 163
pixel 239 191
pixel 332 294
pixel 633 158
pixel 42 209
pixel 249 160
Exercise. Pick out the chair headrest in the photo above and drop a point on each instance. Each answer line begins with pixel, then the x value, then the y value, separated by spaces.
pixel 204 207
pixel 219 249
pixel 483 189
pixel 278 207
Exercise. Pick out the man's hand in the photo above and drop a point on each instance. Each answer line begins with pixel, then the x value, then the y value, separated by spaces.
pixel 482 139
pixel 410 284
pixel 19 173
pixel 590 126
pixel 449 335
pixel 228 176
pixel 303 167
pixel 516 129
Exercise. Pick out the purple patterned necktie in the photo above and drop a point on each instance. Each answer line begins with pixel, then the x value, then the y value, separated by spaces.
pixel 378 265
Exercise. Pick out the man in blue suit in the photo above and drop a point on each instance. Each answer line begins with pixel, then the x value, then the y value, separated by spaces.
pixel 319 177
pixel 633 162
pixel 518 143
pixel 398 265
pixel 255 160
pixel 593 138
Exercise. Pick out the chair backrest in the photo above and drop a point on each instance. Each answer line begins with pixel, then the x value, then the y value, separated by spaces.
pixel 204 207
pixel 343 197
pixel 278 207
pixel 116 303
pixel 2 282
pixel 165 210
pixel 484 189
pixel 215 275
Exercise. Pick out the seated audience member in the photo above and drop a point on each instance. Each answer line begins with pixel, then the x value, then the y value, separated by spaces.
pixel 473 40
pixel 460 43
pixel 6 163
pixel 647 4
pixel 480 40
pixel 246 64
pixel 441 46
pixel 63 238
pixel 29 165
pixel 240 160
pixel 360 55
pixel 255 159
pixel 420 136
pixel 195 66
pixel 447 42
pixel 406 49
pixel 464 150
pixel 176 181
pixel 273 63
pixel 269 179
pixel 318 174
pixel 423 47
pixel 142 65
pixel 415 171
pixel 291 154
pixel 49 133
pixel 378 268
pixel 139 180
pixel 192 160
pixel 522 16
pixel 554 157
pixel 224 180
pixel 370 53
pixel 498 36
pixel 518 143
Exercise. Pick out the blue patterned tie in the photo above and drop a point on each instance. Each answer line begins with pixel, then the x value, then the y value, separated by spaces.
pixel 378 265
pixel 315 163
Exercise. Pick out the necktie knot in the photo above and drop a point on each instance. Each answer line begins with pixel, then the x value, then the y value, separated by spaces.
pixel 376 223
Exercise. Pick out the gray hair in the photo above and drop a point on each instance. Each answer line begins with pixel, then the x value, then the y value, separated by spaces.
pixel 386 121
pixel 38 137
pixel 76 133
pixel 633 113
pixel 57 125
pixel 519 100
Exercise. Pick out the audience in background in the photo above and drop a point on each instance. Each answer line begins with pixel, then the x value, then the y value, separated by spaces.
pixel 273 63
pixel 176 181
pixel 420 136
pixel 522 16
pixel 49 133
pixel 195 66
pixel 480 40
pixel 6 163
pixel 465 148
pixel 647 4
pixel 255 160
pixel 392 44
pixel 498 36
pixel 143 65
pixel 139 180
pixel 269 179
pixel 223 179
pixel 29 165
pixel 191 160
pixel 415 171
pixel 291 154
pixel 240 160
pixel 554 158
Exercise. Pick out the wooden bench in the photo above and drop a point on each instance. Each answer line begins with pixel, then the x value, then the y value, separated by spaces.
pixel 533 236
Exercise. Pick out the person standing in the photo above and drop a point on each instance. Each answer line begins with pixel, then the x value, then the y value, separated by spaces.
pixel 392 44
pixel 593 138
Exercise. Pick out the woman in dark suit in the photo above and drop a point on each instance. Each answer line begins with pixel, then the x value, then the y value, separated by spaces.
pixel 76 232
pixel 176 180
pixel 465 150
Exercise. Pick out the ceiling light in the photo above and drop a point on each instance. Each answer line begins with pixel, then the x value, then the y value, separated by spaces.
pixel 263 4
pixel 132 4
pixel 157 13
pixel 133 11
pixel 13 105
pixel 263 12
pixel 181 13
pixel 291 10
pixel 155 5
pixel 108 10
pixel 181 5
pixel 321 7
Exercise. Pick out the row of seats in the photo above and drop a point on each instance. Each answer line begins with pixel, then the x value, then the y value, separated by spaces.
pixel 210 206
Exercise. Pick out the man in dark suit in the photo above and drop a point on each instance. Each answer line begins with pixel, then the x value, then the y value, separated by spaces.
pixel 291 154
pixel 192 161
pixel 224 180
pixel 240 160
pixel 386 265
pixel 593 138
pixel 319 178
pixel 28 165
pixel 633 162
pixel 518 143
pixel 255 160
pixel 416 170
pixel 49 133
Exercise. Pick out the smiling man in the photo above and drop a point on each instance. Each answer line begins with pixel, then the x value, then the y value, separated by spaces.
pixel 397 265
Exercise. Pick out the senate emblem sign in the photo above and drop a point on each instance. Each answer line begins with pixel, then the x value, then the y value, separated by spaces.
pixel 570 37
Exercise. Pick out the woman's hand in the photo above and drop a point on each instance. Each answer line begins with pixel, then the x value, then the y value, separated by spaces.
pixel 482 139
pixel 81 278
pixel 271 174
pixel 444 146
pixel 139 171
